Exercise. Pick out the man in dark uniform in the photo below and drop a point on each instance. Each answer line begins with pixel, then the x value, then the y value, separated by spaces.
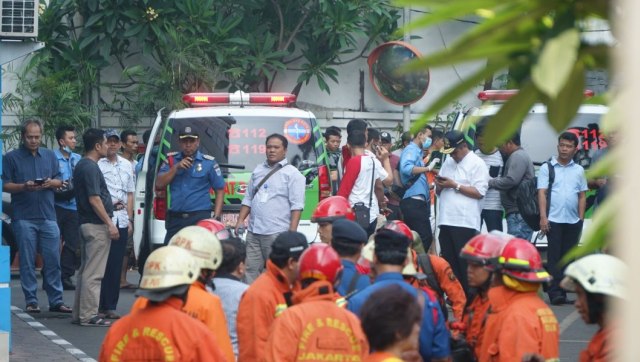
pixel 189 175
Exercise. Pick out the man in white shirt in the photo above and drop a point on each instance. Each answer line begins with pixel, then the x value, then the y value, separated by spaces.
pixel 492 205
pixel 357 184
pixel 118 175
pixel 461 184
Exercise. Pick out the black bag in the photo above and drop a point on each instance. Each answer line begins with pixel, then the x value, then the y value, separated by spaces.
pixel 64 193
pixel 527 199
pixel 363 213
pixel 460 350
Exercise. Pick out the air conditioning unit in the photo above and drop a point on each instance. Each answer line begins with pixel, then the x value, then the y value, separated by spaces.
pixel 19 19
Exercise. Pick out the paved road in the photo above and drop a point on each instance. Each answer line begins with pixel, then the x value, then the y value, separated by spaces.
pixel 574 333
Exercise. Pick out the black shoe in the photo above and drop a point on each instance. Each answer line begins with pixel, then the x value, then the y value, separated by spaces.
pixel 558 300
pixel 67 284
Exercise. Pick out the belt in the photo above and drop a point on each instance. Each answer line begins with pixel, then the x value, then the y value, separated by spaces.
pixel 418 197
pixel 118 207
pixel 185 214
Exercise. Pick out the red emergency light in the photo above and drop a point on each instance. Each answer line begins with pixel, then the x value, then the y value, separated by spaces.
pixel 238 98
pixel 504 95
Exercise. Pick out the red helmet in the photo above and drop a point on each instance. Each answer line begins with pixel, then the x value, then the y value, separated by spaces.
pixel 519 259
pixel 333 208
pixel 400 227
pixel 216 227
pixel 485 248
pixel 320 262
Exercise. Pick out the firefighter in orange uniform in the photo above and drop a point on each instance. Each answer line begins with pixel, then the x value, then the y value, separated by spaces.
pixel 519 323
pixel 200 304
pixel 597 280
pixel 315 328
pixel 160 331
pixel 329 210
pixel 269 296
pixel 481 253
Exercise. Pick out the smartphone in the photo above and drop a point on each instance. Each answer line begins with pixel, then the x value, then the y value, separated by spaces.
pixel 38 181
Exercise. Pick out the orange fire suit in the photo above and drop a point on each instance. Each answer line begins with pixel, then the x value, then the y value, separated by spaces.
pixel 206 308
pixel 316 329
pixel 519 323
pixel 598 350
pixel 261 303
pixel 382 357
pixel 475 317
pixel 447 281
pixel 160 332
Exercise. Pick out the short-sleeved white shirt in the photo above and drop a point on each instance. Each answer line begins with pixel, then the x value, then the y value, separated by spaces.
pixel 457 209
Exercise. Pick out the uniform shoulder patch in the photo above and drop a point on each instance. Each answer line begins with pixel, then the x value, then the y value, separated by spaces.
pixel 208 157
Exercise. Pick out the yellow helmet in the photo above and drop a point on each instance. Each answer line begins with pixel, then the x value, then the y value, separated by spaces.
pixel 202 244
pixel 168 267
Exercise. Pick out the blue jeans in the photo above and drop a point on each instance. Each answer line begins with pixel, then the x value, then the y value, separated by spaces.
pixel 517 227
pixel 39 236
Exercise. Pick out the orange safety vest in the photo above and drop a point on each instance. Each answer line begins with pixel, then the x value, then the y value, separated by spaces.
pixel 475 318
pixel 316 329
pixel 598 349
pixel 206 308
pixel 160 332
pixel 261 304
pixel 519 323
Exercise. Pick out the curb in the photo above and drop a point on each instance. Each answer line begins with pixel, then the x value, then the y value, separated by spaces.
pixel 51 335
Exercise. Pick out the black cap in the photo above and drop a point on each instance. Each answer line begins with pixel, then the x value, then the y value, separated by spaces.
pixel 349 231
pixel 452 139
pixel 385 137
pixel 289 244
pixel 187 132
pixel 388 240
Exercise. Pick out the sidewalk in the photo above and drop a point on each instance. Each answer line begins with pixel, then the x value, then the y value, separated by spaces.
pixel 32 341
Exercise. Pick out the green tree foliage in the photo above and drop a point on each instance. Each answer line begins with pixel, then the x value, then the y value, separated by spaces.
pixel 542 45
pixel 167 48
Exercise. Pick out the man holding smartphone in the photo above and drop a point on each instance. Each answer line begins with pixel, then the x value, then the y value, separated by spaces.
pixel 30 175
pixel 188 176
pixel 461 184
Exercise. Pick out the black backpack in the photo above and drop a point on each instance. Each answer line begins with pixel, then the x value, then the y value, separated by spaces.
pixel 527 199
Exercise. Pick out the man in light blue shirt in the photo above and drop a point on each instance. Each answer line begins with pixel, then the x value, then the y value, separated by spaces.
pixel 273 206
pixel 416 204
pixel 563 224
pixel 65 204
pixel 228 284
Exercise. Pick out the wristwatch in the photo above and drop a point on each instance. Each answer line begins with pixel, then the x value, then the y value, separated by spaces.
pixel 458 187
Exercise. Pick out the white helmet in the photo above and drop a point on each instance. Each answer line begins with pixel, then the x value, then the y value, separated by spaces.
pixel 597 273
pixel 202 244
pixel 168 267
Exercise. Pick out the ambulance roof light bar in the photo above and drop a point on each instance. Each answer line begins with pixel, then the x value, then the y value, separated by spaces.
pixel 504 95
pixel 238 98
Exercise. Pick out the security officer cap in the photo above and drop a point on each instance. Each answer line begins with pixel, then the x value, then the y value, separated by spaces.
pixel 187 132
pixel 348 231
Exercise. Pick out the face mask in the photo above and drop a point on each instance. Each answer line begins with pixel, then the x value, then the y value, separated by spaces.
pixel 427 143
pixel 67 149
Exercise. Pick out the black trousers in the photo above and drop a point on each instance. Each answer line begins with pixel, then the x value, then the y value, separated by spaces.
pixel 492 219
pixel 416 215
pixel 173 223
pixel 110 286
pixel 560 239
pixel 452 239
pixel 70 232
